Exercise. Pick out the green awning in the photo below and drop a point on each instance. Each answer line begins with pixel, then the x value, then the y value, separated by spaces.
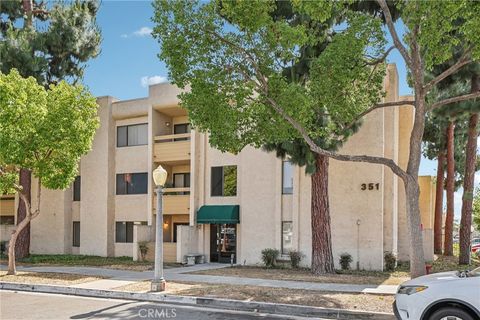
pixel 219 214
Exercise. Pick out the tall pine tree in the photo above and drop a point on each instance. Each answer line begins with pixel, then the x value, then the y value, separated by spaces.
pixel 50 43
pixel 472 73
pixel 435 147
pixel 458 144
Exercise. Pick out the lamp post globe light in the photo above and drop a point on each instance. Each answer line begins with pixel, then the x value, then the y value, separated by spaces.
pixel 159 178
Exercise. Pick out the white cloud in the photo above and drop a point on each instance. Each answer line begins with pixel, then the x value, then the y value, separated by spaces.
pixel 148 81
pixel 142 32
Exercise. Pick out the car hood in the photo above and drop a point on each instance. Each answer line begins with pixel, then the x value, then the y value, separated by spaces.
pixel 434 277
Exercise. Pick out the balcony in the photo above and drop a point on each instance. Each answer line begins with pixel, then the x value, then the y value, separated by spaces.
pixel 172 148
pixel 175 201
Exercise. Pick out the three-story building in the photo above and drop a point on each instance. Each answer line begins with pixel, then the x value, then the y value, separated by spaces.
pixel 226 206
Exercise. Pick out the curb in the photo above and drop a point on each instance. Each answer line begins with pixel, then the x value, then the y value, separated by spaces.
pixel 252 306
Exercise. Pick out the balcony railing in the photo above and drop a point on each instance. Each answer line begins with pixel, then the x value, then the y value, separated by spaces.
pixel 172 147
pixel 175 201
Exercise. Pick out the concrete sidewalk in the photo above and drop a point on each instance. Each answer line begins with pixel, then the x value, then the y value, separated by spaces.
pixel 117 278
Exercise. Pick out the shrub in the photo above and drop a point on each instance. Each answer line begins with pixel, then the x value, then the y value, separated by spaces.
pixel 345 260
pixel 403 266
pixel 143 247
pixel 295 258
pixel 269 257
pixel 390 261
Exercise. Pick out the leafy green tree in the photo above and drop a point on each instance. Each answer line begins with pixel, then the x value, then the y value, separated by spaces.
pixel 434 147
pixel 295 75
pixel 445 135
pixel 45 131
pixel 232 58
pixel 50 41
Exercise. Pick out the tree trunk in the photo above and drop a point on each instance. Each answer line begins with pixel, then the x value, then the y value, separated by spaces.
pixel 11 244
pixel 22 248
pixel 322 258
pixel 448 245
pixel 28 8
pixel 468 186
pixel 22 225
pixel 412 190
pixel 417 256
pixel 469 180
pixel 437 229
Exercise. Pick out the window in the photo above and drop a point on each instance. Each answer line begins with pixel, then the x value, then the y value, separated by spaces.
pixel 181 128
pixel 287 177
pixel 124 232
pixel 181 180
pixel 287 235
pixel 76 234
pixel 76 189
pixel 132 135
pixel 224 181
pixel 7 219
pixel 132 183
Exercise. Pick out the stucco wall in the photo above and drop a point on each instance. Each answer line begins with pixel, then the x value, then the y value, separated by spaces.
pixel 163 95
pixel 130 108
pixel 48 229
pixel 187 239
pixel 349 203
pixel 391 117
pixel 405 129
pixel 97 188
pixel 427 200
pixel 123 249
pixel 141 233
pixel 131 207
pixel 6 231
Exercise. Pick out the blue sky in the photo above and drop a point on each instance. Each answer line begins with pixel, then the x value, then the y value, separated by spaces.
pixel 128 61
pixel 129 53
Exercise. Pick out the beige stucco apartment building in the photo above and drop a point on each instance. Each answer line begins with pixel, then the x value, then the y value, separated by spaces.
pixel 219 204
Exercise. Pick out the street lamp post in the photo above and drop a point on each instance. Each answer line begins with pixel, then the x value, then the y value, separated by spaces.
pixel 158 282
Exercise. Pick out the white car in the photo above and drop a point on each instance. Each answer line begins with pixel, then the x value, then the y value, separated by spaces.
pixel 453 295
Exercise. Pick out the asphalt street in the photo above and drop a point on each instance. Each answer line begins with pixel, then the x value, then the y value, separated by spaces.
pixel 24 305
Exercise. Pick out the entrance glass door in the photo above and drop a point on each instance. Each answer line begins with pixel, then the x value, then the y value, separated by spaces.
pixel 223 243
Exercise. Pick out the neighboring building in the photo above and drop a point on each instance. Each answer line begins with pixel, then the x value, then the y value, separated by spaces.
pixel 219 204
